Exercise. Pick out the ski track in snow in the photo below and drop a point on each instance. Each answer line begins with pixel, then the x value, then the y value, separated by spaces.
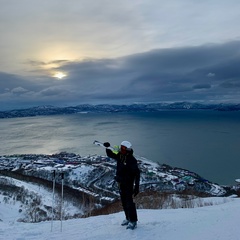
pixel 217 222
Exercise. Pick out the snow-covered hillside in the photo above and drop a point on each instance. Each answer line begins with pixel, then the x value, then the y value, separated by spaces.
pixel 95 174
pixel 216 222
pixel 26 182
pixel 215 219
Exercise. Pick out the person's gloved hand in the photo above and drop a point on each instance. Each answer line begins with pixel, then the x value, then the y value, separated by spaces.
pixel 136 190
pixel 106 144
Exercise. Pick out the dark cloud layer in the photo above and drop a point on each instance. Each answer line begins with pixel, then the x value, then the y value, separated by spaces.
pixel 204 73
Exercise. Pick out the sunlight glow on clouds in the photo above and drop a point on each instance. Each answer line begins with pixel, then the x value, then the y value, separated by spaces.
pixel 59 75
pixel 102 51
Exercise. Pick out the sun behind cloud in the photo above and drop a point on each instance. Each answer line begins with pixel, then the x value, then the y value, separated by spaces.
pixel 59 75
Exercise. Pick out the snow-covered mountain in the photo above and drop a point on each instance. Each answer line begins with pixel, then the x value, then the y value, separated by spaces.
pixel 153 107
pixel 26 196
pixel 88 183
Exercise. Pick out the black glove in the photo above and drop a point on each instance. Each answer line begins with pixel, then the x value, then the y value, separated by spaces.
pixel 106 144
pixel 136 190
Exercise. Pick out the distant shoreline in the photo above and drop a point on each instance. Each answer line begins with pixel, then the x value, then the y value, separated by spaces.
pixel 108 108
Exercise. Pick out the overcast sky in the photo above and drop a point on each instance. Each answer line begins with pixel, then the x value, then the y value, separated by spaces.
pixel 63 53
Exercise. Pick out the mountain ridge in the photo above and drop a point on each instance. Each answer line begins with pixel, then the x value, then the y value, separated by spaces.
pixel 46 110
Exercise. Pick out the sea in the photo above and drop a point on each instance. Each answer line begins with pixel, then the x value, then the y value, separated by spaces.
pixel 203 141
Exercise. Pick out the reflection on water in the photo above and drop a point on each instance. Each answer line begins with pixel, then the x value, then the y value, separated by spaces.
pixel 205 142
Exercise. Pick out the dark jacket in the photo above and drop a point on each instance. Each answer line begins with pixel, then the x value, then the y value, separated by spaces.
pixel 127 168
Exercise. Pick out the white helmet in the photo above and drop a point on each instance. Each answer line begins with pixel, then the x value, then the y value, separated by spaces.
pixel 126 144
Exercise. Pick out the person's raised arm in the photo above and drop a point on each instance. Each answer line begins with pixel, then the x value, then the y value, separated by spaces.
pixel 109 152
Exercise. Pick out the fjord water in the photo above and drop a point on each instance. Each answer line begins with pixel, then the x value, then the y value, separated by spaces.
pixel 205 142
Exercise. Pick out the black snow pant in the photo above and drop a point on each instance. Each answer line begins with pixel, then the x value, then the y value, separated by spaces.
pixel 129 207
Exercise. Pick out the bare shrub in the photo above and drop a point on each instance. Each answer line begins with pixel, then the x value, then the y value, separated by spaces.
pixel 33 211
pixel 157 200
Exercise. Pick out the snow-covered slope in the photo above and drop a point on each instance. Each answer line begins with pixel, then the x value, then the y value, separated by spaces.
pixel 218 219
pixel 26 181
pixel 95 174
pixel 215 222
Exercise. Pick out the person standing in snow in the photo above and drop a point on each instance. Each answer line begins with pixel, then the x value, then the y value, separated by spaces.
pixel 128 178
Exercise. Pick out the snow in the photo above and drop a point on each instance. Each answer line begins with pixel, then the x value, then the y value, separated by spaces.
pixel 40 190
pixel 216 222
pixel 9 206
pixel 214 218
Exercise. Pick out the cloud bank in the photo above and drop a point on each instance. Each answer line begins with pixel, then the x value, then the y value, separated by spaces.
pixel 204 73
